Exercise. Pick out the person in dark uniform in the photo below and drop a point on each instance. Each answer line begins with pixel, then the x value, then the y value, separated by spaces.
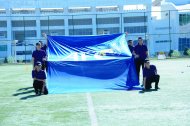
pixel 140 53
pixel 150 75
pixel 130 45
pixel 43 46
pixel 39 55
pixel 39 79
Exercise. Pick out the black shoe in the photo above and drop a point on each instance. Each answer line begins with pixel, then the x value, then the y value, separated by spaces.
pixel 157 88
pixel 39 93
pixel 36 92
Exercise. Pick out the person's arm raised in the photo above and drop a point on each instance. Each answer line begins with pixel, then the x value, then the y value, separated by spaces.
pixel 45 36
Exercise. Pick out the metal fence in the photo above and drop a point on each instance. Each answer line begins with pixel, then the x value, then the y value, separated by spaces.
pixel 162 31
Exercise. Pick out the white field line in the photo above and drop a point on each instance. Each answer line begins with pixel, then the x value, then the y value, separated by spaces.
pixel 91 111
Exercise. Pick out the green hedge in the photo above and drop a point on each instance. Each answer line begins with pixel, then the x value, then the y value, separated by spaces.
pixel 175 53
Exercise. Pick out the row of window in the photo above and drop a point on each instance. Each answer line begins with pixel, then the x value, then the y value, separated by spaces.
pixel 70 10
pixel 20 35
pixel 136 29
pixel 87 21
pixel 24 52
pixel 61 10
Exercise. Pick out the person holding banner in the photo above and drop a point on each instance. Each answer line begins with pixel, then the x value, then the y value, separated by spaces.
pixel 39 55
pixel 140 53
pixel 130 45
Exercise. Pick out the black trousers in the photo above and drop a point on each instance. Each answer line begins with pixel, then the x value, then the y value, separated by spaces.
pixel 44 65
pixel 38 85
pixel 152 79
pixel 138 64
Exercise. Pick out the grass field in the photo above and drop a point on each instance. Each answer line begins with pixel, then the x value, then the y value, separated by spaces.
pixel 169 106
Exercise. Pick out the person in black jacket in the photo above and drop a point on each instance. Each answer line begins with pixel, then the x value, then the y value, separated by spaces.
pixel 140 53
pixel 150 75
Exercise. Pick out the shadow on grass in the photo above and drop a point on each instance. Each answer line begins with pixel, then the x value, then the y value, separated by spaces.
pixel 29 96
pixel 126 88
pixel 24 88
pixel 23 91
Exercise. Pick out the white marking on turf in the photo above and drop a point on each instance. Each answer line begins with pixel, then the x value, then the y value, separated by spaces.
pixel 91 111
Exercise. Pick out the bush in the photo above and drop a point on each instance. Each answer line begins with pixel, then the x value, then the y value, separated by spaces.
pixel 188 52
pixel 185 51
pixel 10 59
pixel 175 53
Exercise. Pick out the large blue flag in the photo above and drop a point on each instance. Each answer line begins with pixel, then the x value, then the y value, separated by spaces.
pixel 90 63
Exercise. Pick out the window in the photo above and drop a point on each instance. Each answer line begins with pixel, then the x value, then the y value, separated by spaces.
pixel 51 10
pixel 29 23
pixel 23 52
pixel 136 29
pixel 56 22
pixel 26 23
pixel 135 19
pixel 85 31
pixel 163 41
pixel 80 21
pixel 184 43
pixel 17 24
pixel 3 47
pixel 114 20
pixel 2 11
pixel 31 33
pixel 107 8
pixel 23 11
pixel 79 9
pixel 3 34
pixel 3 24
pixel 184 19
pixel 111 30
pixel 20 35
pixel 54 32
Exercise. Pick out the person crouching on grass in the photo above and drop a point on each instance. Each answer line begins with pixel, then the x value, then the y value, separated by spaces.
pixel 150 75
pixel 39 79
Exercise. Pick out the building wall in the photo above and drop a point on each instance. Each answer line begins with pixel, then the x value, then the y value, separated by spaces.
pixel 66 3
pixel 68 18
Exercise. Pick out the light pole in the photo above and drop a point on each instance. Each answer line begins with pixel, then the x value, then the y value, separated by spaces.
pixel 15 60
pixel 148 44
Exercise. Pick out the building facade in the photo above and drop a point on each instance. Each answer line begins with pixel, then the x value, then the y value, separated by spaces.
pixel 23 22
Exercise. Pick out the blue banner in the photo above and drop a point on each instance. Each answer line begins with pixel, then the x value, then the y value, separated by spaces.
pixel 90 63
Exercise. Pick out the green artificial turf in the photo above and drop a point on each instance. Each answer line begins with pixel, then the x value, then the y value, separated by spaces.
pixel 169 106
